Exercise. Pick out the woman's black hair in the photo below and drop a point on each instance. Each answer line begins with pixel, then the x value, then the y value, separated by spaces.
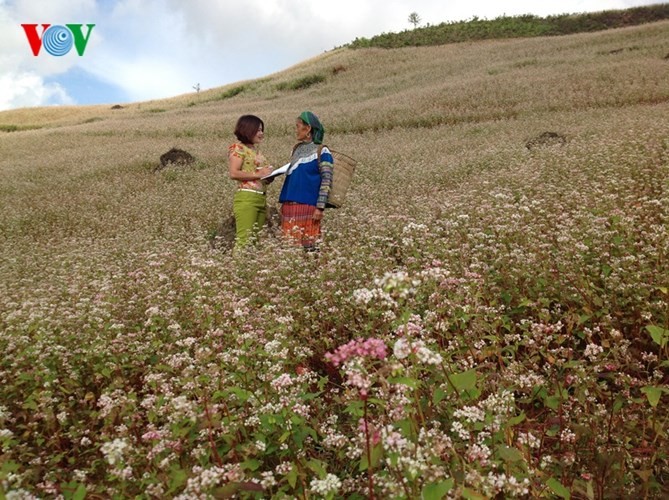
pixel 247 127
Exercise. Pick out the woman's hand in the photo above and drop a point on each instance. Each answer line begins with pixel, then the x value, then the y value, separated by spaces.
pixel 263 172
pixel 318 214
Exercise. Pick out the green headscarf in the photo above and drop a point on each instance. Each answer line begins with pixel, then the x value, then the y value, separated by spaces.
pixel 317 129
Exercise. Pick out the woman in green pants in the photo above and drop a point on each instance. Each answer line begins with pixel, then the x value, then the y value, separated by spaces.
pixel 248 166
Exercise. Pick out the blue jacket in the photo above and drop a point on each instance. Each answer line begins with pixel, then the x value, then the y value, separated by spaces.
pixel 303 179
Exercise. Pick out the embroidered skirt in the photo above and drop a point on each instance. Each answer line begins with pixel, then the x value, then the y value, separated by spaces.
pixel 297 223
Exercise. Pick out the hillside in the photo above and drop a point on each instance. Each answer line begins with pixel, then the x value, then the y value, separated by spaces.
pixel 513 284
pixel 516 27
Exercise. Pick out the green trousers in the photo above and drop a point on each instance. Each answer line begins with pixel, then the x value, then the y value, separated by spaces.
pixel 250 211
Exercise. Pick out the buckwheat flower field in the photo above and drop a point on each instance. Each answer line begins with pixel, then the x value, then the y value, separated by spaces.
pixel 488 316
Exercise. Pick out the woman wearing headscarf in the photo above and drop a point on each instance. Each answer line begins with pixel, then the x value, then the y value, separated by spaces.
pixel 307 185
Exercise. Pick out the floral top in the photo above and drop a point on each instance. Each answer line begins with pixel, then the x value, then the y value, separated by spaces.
pixel 251 161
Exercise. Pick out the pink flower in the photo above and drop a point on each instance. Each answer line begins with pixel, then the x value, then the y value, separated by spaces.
pixel 151 435
pixel 368 348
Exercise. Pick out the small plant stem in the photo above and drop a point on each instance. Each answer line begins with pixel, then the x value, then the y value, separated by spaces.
pixel 398 475
pixel 608 440
pixel 238 432
pixel 369 457
pixel 420 410
pixel 455 389
pixel 214 451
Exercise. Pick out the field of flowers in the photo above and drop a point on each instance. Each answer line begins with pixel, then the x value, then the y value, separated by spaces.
pixel 484 319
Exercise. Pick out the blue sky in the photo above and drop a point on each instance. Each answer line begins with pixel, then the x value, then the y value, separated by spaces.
pixel 150 49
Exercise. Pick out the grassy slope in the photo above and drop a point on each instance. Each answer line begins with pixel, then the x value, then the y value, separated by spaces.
pixel 516 27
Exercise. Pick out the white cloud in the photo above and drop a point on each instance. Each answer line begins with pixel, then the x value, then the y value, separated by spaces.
pixel 160 48
pixel 19 90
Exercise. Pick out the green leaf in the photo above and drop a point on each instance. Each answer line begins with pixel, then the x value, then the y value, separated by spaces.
pixel 355 408
pixel 178 478
pixel 406 426
pixel 516 420
pixel 376 455
pixel 471 494
pixel 251 464
pixel 558 488
pixel 506 297
pixel 10 467
pixel 464 381
pixel 509 454
pixel 30 404
pixel 552 402
pixel 317 467
pixel 80 492
pixel 241 394
pixel 292 477
pixel 311 396
pixel 653 394
pixel 659 335
pixel 438 396
pixel 218 395
pixel 437 491
pixel 618 404
pixel 408 381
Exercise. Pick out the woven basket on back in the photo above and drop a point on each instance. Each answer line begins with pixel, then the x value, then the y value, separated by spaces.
pixel 344 166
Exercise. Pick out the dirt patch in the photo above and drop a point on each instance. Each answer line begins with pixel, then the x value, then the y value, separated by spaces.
pixel 117 106
pixel 175 157
pixel 546 139
pixel 223 237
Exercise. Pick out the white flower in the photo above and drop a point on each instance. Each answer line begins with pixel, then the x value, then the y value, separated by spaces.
pixel 427 356
pixel 113 450
pixel 268 479
pixel 283 380
pixel 592 351
pixel 330 484
pixel 401 349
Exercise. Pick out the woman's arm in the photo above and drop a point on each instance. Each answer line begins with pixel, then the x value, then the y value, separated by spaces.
pixel 325 168
pixel 236 173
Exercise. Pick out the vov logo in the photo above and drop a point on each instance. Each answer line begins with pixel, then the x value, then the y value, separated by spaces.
pixel 57 40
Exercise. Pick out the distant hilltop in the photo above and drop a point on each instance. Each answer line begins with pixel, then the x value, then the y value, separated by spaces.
pixel 515 27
